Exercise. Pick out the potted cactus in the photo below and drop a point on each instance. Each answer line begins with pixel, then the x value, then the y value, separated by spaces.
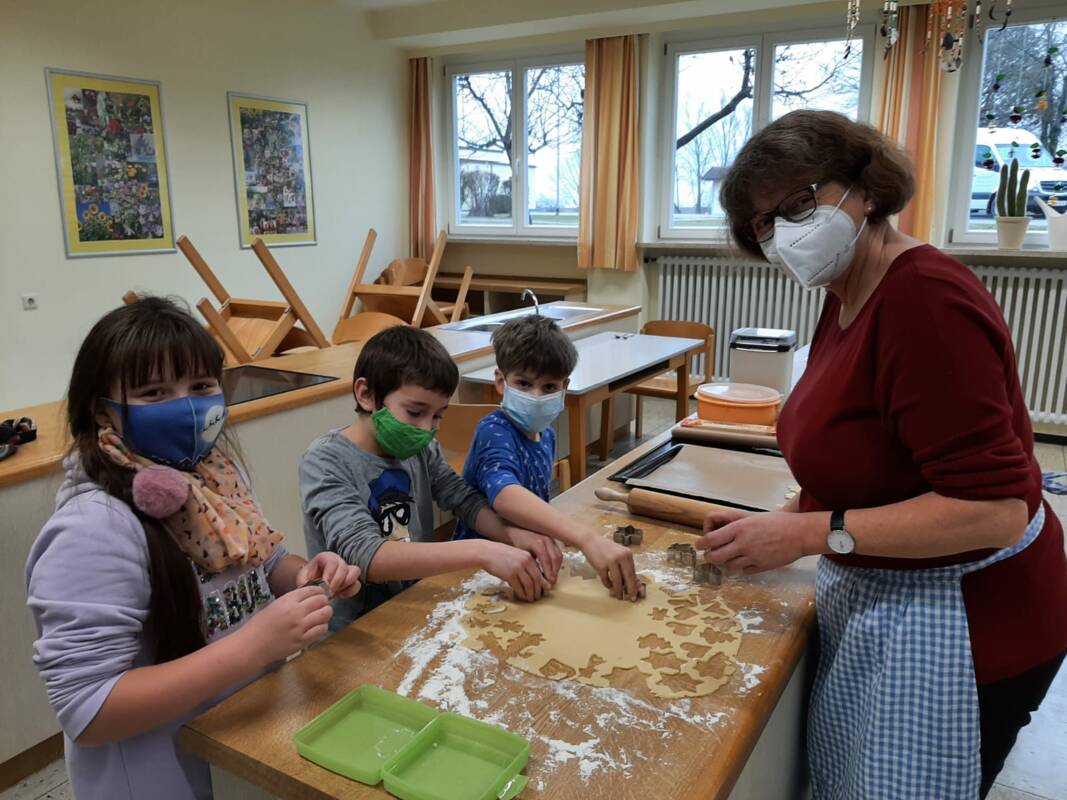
pixel 1012 219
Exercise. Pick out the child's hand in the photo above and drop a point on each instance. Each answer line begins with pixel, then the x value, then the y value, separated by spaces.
pixel 615 565
pixel 542 548
pixel 290 623
pixel 341 577
pixel 517 567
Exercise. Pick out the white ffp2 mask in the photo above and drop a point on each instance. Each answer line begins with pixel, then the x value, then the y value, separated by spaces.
pixel 819 249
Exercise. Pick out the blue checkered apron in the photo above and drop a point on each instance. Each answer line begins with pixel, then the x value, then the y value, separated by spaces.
pixel 894 709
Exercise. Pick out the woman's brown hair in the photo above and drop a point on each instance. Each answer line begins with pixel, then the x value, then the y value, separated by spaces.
pixel 806 147
pixel 152 339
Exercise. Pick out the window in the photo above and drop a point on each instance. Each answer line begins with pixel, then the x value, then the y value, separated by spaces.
pixel 517 133
pixel 1014 104
pixel 720 97
pixel 823 75
pixel 483 147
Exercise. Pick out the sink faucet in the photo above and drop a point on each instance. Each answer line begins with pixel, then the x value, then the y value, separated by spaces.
pixel 537 305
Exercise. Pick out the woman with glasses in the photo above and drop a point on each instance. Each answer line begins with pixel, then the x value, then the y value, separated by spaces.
pixel 942 591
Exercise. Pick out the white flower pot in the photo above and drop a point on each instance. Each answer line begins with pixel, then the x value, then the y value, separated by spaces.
pixel 1011 231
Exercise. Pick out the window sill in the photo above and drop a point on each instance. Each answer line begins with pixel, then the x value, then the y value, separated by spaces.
pixel 1029 255
pixel 696 247
pixel 547 241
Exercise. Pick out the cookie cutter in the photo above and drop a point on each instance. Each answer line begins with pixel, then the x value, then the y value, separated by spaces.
pixel 320 584
pixel 709 574
pixel 628 535
pixel 683 554
pixel 686 555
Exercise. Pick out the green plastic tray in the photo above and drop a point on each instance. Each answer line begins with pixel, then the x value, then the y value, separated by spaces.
pixel 457 758
pixel 360 732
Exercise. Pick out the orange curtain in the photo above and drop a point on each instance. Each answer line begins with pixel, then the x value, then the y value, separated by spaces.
pixel 422 222
pixel 910 106
pixel 607 208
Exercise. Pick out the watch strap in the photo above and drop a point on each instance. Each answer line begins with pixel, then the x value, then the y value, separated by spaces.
pixel 837 520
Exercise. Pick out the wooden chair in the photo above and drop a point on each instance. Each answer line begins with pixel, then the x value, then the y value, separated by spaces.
pixel 407 302
pixel 457 431
pixel 255 329
pixel 363 326
pixel 666 385
pixel 413 272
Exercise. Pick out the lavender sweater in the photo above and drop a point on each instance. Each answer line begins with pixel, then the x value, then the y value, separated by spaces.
pixel 88 588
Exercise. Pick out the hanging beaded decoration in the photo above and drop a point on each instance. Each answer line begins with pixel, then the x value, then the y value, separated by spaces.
pixel 852 20
pixel 889 28
pixel 1007 13
pixel 990 97
pixel 953 27
pixel 976 22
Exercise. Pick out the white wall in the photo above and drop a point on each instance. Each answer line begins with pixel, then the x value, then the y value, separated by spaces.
pixel 318 51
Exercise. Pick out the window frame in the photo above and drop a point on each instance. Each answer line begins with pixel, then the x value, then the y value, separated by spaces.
pixel 762 101
pixel 519 227
pixel 969 97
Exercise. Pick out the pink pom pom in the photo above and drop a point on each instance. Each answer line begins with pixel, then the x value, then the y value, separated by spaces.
pixel 159 491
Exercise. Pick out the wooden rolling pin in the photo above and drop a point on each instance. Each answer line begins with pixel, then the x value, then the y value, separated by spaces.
pixel 657 505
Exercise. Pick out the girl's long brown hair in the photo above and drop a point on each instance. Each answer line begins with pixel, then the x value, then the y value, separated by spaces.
pixel 150 340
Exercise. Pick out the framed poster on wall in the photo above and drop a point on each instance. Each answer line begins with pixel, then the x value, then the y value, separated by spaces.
pixel 272 170
pixel 111 164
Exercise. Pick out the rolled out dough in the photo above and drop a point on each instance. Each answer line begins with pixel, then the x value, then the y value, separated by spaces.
pixel 682 643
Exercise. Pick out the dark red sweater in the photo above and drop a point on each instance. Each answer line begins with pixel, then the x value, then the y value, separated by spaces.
pixel 921 393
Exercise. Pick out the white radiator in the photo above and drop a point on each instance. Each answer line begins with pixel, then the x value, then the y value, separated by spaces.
pixel 729 293
pixel 1034 302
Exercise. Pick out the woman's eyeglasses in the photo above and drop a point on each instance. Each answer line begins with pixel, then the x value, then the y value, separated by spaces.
pixel 797 207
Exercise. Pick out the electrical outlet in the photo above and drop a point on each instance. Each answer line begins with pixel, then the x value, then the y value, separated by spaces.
pixel 29 302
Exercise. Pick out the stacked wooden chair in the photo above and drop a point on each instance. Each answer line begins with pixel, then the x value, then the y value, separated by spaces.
pixel 252 330
pixel 402 295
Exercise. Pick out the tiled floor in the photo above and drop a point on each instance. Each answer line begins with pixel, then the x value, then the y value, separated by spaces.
pixel 1036 769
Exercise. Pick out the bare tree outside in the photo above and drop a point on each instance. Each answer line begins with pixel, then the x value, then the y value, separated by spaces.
pixel 715 106
pixel 485 139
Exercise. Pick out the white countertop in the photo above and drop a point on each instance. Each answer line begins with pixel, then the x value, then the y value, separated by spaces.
pixel 608 356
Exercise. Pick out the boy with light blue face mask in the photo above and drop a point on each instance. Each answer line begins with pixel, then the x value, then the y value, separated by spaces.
pixel 514 448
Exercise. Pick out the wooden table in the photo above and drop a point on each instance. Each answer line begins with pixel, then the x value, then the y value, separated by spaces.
pixel 610 363
pixel 636 746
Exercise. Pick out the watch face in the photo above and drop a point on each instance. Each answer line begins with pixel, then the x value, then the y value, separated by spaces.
pixel 841 542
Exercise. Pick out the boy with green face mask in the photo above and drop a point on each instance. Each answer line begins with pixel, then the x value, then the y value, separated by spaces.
pixel 368 490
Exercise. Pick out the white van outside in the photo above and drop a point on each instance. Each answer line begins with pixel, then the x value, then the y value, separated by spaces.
pixel 998 145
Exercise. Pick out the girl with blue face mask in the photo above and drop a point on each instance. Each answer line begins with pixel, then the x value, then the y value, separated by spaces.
pixel 157 586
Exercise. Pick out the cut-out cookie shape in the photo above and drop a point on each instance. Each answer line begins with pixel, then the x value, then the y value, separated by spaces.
pixel 579 632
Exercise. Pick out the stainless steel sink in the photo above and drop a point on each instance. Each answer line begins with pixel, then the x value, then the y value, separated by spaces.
pixel 488 324
pixel 565 312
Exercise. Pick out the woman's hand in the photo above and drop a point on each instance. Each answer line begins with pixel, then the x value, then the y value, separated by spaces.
pixel 614 564
pixel 288 624
pixel 748 542
pixel 341 578
pixel 542 548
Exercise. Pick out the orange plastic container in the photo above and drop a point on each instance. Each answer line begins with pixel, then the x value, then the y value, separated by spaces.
pixel 744 403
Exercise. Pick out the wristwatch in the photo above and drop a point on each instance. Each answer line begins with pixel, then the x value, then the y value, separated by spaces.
pixel 839 539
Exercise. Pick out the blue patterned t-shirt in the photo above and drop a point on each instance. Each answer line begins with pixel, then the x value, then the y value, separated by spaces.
pixel 501 455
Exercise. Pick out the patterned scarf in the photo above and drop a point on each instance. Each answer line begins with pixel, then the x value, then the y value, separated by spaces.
pixel 219 524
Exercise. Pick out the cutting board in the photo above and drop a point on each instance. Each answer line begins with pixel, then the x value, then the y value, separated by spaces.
pixel 748 480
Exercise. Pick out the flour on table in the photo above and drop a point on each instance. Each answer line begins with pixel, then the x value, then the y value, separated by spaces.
pixel 593 727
